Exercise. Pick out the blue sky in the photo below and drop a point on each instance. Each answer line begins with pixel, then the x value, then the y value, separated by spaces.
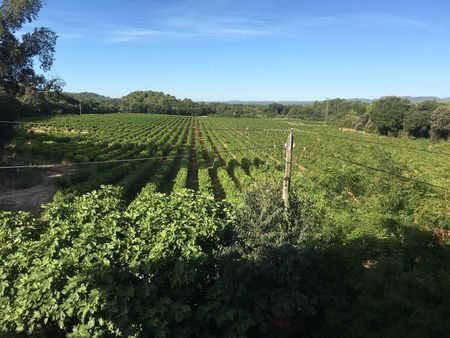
pixel 253 50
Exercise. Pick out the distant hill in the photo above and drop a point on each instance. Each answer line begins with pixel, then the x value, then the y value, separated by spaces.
pixel 86 96
pixel 161 98
pixel 264 103
pixel 415 99
pixel 426 98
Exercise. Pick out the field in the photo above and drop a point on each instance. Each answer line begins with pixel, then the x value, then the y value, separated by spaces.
pixel 124 250
pixel 223 156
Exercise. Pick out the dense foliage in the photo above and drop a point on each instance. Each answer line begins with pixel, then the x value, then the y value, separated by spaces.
pixel 184 265
pixel 441 122
pixel 18 55
pixel 388 114
pixel 21 86
pixel 93 267
pixel 417 121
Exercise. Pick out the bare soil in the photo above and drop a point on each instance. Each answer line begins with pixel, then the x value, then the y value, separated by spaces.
pixel 192 179
pixel 222 161
pixel 177 162
pixel 30 199
pixel 219 193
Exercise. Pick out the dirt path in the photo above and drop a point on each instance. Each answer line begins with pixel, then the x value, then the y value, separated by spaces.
pixel 219 193
pixel 222 161
pixel 31 199
pixel 177 162
pixel 192 179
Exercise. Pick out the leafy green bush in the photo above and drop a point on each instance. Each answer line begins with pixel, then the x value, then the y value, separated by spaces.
pixel 440 124
pixel 184 265
pixel 92 267
pixel 268 275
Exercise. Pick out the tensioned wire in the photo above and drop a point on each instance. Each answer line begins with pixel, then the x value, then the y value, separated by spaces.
pixel 268 130
pixel 55 165
pixel 242 149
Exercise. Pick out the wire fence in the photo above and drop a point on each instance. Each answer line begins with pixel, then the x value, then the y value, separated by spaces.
pixel 140 159
pixel 383 171
pixel 301 131
pixel 373 142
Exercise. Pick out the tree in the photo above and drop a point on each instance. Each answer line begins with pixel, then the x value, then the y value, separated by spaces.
pixel 275 109
pixel 418 120
pixel 440 122
pixel 388 114
pixel 17 56
pixel 22 88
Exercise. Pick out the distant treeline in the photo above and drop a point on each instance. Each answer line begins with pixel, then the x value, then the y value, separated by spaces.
pixel 392 116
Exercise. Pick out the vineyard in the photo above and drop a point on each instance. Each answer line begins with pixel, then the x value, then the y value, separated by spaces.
pixel 124 249
pixel 223 156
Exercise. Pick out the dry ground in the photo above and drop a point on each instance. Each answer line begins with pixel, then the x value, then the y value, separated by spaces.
pixel 29 199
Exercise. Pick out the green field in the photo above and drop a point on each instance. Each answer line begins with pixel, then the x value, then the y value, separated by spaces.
pixel 125 250
pixel 222 156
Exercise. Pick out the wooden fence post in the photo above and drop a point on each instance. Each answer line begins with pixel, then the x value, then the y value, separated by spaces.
pixel 288 169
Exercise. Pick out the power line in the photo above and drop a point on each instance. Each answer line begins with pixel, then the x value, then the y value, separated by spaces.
pixel 333 136
pixel 30 122
pixel 247 129
pixel 367 167
pixel 142 159
pixel 372 142
pixel 389 173
pixel 270 130
pixel 194 128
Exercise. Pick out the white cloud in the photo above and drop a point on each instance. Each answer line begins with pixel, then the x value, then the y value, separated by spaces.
pixel 376 20
pixel 181 21
pixel 196 26
pixel 366 20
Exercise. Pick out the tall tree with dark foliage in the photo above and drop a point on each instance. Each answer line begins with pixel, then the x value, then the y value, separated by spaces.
pixel 20 84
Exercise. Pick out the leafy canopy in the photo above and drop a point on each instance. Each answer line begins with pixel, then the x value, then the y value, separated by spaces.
pixel 418 120
pixel 18 55
pixel 441 122
pixel 388 113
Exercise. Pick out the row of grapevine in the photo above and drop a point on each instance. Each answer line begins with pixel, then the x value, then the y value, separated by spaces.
pixel 221 154
pixel 131 175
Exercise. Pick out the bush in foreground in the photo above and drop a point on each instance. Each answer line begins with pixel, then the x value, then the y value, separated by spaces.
pixel 92 267
pixel 184 265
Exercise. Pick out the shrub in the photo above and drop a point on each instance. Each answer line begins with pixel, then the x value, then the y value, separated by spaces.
pixel 268 275
pixel 440 122
pixel 92 267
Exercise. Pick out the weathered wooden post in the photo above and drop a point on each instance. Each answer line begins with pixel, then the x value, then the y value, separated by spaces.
pixel 288 169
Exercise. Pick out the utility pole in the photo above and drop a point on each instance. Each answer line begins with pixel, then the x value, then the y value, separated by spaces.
pixel 328 110
pixel 81 108
pixel 288 170
pixel 131 106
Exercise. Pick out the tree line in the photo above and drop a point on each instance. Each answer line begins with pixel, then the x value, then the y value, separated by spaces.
pixel 392 116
